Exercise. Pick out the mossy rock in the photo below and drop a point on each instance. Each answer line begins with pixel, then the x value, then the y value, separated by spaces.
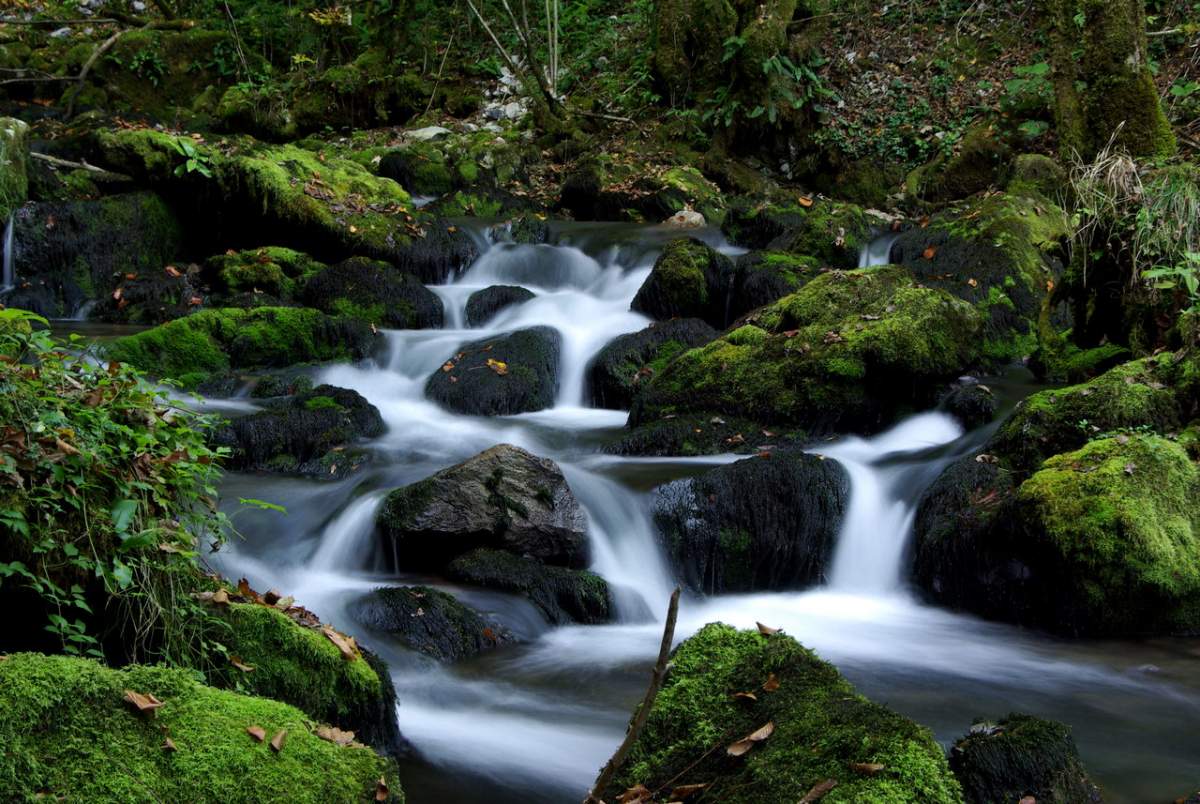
pixel 607 189
pixel 500 376
pixel 1003 254
pixel 979 162
pixel 429 621
pixel 14 165
pixel 831 232
pixel 217 340
pixel 375 292
pixel 848 351
pixel 763 277
pixel 274 271
pixel 68 732
pixel 1100 541
pixel 1021 756
pixel 764 523
pixel 71 253
pixel 484 304
pixel 561 594
pixel 621 367
pixel 697 434
pixel 689 280
pixel 821 729
pixel 307 434
pixel 419 168
pixel 1036 175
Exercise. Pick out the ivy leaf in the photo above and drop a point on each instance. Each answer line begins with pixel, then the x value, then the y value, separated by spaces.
pixel 122 515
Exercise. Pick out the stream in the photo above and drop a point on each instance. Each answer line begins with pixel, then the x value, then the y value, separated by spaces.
pixel 534 722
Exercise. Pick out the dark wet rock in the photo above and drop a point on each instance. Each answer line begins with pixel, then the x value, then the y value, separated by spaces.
pixel 763 277
pixel 287 382
pixel 500 376
pixel 504 498
pixel 601 190
pixel 763 523
pixel 67 254
pixel 306 434
pixel 442 254
pixel 981 161
pixel 831 232
pixel 562 595
pixel 700 434
pixel 375 292
pixel 221 385
pixel 525 230
pixel 627 361
pixel 972 403
pixel 483 304
pixel 429 621
pixel 689 280
pixel 1019 757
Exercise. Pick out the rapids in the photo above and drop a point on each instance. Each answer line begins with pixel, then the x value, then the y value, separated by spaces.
pixel 535 722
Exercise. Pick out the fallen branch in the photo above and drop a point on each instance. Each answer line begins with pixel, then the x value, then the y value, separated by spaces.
pixel 87 67
pixel 643 712
pixel 100 173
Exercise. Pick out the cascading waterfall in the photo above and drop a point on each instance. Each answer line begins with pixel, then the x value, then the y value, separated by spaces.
pixel 8 280
pixel 535 721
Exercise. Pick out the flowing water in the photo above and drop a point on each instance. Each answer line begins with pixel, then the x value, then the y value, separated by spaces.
pixel 534 722
pixel 8 274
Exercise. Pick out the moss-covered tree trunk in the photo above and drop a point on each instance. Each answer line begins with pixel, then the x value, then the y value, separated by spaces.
pixel 1102 79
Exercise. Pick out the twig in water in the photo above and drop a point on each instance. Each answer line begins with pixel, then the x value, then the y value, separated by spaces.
pixel 643 713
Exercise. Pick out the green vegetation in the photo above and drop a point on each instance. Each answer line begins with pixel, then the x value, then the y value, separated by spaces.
pixel 14 183
pixel 821 727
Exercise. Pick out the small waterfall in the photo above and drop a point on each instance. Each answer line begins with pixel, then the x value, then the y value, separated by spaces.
pixel 878 251
pixel 346 542
pixel 870 547
pixel 8 280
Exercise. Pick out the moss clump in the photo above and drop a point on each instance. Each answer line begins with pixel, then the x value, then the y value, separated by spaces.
pixel 688 280
pixel 68 733
pixel 821 727
pixel 273 270
pixel 267 337
pixel 14 182
pixel 848 351
pixel 1118 517
pixel 980 162
pixel 829 231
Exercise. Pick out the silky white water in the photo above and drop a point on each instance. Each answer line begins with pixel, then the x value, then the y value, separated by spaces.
pixel 534 722
pixel 8 277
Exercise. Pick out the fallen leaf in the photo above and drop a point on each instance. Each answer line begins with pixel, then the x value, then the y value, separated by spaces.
pixel 1049 285
pixel 447 366
pixel 381 790
pixel 169 745
pixel 1027 800
pixel 498 366
pixel 973 282
pixel 635 794
pixel 257 732
pixel 141 702
pixel 767 630
pixel 743 745
pixel 335 735
pixel 930 253
pixel 818 791
pixel 246 591
pixel 240 665
pixel 771 684
pixel 285 603
pixel 344 643
pixel 867 768
pixel 278 740
pixel 130 277
pixel 173 272
pixel 685 791
pixel 747 696
pixel 221 597
pixel 805 201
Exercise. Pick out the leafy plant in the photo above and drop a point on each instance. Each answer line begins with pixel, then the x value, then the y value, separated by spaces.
pixel 194 160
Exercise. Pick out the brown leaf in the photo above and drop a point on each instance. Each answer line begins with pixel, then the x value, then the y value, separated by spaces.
pixel 278 740
pixel 221 597
pixel 447 367
pixel 686 791
pixel 767 630
pixel 344 643
pixel 771 684
pixel 497 366
pixel 743 745
pixel 257 732
pixel 818 791
pixel 169 745
pixel 381 790
pixel 867 768
pixel 245 591
pixel 142 703
pixel 973 282
pixel 748 696
pixel 240 665
pixel 335 735
pixel 635 794
pixel 928 254
pixel 1027 800
pixel 805 201
pixel 65 447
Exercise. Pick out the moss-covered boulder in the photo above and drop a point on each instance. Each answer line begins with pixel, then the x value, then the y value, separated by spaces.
pixel 270 272
pixel 1019 757
pixel 429 621
pixel 14 160
pixel 1099 541
pixel 484 304
pixel 689 280
pixel 608 188
pixel 68 731
pixel 848 351
pixel 831 232
pixel 1001 253
pixel 763 523
pixel 375 292
pixel 191 348
pixel 298 661
pixel 503 497
pixel 972 403
pixel 68 254
pixel 311 434
pixel 527 230
pixel 501 376
pixel 763 277
pixel 979 162
pixel 561 594
pixel 812 728
pixel 627 362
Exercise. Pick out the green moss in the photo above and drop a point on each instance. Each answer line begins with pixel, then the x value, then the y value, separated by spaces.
pixel 822 726
pixel 273 270
pixel 14 182
pixel 216 340
pixel 1120 513
pixel 68 733
pixel 322 403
